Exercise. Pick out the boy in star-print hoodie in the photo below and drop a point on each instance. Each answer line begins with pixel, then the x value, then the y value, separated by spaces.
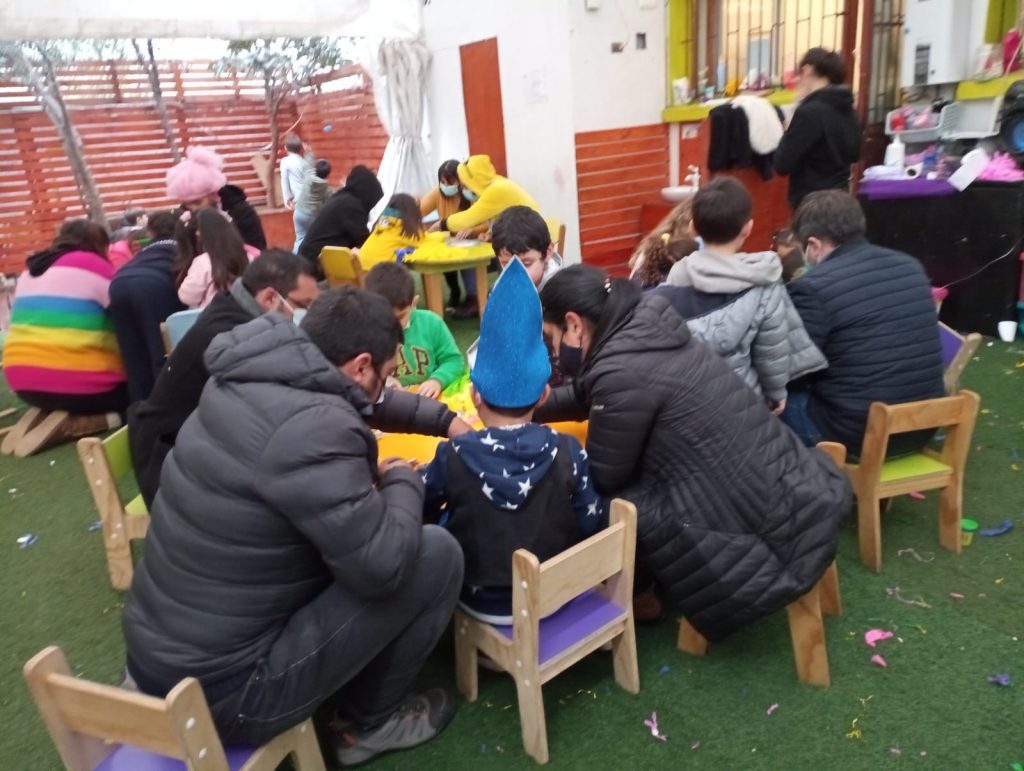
pixel 515 484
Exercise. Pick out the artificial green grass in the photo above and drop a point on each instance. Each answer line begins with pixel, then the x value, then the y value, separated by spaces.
pixel 931 708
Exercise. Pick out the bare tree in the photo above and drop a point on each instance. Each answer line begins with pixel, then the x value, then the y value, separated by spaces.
pixel 34 65
pixel 148 63
pixel 285 65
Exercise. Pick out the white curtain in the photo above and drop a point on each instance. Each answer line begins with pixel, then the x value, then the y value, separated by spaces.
pixel 399 70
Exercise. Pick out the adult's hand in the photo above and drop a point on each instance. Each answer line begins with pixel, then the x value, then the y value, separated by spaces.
pixel 464 234
pixel 458 427
pixel 779 407
pixel 390 464
pixel 429 388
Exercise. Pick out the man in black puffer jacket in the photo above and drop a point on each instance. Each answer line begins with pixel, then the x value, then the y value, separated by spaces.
pixel 344 218
pixel 822 140
pixel 736 517
pixel 870 311
pixel 284 566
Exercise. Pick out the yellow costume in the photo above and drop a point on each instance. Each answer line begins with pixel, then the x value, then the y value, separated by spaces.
pixel 494 194
pixel 387 238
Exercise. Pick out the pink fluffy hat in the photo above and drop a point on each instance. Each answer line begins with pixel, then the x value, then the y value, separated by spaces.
pixel 197 176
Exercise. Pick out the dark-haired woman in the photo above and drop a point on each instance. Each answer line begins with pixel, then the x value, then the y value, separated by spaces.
pixel 736 517
pixel 211 256
pixel 60 354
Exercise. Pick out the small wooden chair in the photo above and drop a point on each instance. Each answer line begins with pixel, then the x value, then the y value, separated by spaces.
pixel 341 266
pixel 105 462
pixel 105 728
pixel 957 352
pixel 560 617
pixel 557 230
pixel 806 628
pixel 175 327
pixel 876 478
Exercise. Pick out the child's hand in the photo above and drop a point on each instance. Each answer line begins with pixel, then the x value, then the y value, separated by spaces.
pixel 429 388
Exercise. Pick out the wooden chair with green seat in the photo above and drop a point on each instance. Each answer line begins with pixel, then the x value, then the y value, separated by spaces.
pixel 874 478
pixel 341 266
pixel 105 461
pixel 957 351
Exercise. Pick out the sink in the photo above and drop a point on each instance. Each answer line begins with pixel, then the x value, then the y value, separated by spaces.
pixel 678 193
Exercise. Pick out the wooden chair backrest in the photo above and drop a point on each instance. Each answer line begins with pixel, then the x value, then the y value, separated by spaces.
pixel 105 462
pixel 84 718
pixel 607 554
pixel 557 230
pixel 957 414
pixel 957 351
pixel 341 266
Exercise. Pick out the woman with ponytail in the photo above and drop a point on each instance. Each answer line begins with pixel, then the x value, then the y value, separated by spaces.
pixel 736 517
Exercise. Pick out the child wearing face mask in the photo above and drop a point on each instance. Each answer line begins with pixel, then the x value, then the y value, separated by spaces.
pixel 429 356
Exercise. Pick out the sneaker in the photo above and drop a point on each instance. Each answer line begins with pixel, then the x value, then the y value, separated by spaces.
pixel 420 718
pixel 28 421
pixel 468 310
pixel 647 608
pixel 59 427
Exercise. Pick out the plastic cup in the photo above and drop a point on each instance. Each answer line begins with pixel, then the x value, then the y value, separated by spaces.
pixel 1007 331
pixel 967 530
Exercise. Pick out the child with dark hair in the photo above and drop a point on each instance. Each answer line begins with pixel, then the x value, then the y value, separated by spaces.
pixel 398 227
pixel 125 246
pixel 791 254
pixel 521 232
pixel 429 356
pixel 311 199
pixel 659 258
pixel 515 484
pixel 734 301
pixel 444 200
pixel 211 255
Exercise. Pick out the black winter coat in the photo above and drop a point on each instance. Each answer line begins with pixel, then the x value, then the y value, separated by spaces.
pixel 270 494
pixel 821 143
pixel 870 311
pixel 736 516
pixel 153 424
pixel 343 219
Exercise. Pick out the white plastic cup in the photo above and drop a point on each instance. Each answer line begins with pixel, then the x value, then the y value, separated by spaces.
pixel 1007 331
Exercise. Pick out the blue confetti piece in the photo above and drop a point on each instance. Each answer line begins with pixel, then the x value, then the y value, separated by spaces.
pixel 1001 679
pixel 328 128
pixel 483 749
pixel 665 669
pixel 27 540
pixel 97 525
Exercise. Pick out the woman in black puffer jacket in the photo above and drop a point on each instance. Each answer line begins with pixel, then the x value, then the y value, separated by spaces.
pixel 736 517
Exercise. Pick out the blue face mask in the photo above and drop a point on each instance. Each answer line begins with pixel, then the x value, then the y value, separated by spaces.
pixel 449 191
pixel 469 195
pixel 298 315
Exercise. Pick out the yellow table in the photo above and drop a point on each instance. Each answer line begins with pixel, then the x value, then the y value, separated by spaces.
pixel 436 257
pixel 423 448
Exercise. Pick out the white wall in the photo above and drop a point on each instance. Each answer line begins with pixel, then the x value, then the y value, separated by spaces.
pixel 617 90
pixel 536 86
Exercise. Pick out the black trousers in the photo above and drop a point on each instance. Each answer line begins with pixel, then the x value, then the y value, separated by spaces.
pixel 361 654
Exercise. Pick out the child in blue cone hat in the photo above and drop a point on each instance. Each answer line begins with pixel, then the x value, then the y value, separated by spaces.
pixel 515 484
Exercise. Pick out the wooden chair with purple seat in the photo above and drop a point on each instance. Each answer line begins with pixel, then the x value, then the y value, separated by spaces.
pixel 563 609
pixel 957 351
pixel 876 478
pixel 99 727
pixel 806 627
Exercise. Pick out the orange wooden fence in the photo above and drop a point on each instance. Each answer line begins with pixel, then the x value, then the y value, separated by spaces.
pixel 111 105
pixel 616 172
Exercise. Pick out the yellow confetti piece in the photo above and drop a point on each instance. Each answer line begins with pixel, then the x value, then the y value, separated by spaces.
pixel 1019 365
pixel 1000 580
pixel 986 411
pixel 1015 467
pixel 854 732
pixel 920 629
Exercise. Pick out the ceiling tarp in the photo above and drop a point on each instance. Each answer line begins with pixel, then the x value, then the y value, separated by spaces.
pixel 230 19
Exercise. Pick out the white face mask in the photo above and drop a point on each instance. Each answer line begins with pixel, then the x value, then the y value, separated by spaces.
pixel 298 314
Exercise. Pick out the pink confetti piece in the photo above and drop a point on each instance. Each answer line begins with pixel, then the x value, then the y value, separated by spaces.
pixel 917 496
pixel 956 595
pixel 771 709
pixel 652 723
pixel 874 636
pixel 876 659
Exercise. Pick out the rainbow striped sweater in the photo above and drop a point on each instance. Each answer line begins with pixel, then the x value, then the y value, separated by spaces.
pixel 61 339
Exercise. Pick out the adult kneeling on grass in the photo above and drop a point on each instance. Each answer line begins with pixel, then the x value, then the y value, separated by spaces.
pixel 285 568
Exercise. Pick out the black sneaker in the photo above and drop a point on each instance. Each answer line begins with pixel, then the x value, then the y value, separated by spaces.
pixel 420 718
pixel 468 310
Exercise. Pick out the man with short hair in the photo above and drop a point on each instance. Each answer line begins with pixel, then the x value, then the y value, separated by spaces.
pixel 823 138
pixel 285 567
pixel 275 281
pixel 870 311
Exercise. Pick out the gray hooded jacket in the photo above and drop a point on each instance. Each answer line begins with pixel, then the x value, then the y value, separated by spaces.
pixel 738 307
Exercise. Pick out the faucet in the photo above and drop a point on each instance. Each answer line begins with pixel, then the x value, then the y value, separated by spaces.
pixel 693 178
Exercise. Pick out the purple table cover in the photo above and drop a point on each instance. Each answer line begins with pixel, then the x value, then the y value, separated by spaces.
pixel 880 189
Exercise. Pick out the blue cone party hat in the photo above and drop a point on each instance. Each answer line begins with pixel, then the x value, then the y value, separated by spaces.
pixel 512 365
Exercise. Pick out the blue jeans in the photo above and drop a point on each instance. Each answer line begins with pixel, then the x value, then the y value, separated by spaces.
pixel 797 416
pixel 302 221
